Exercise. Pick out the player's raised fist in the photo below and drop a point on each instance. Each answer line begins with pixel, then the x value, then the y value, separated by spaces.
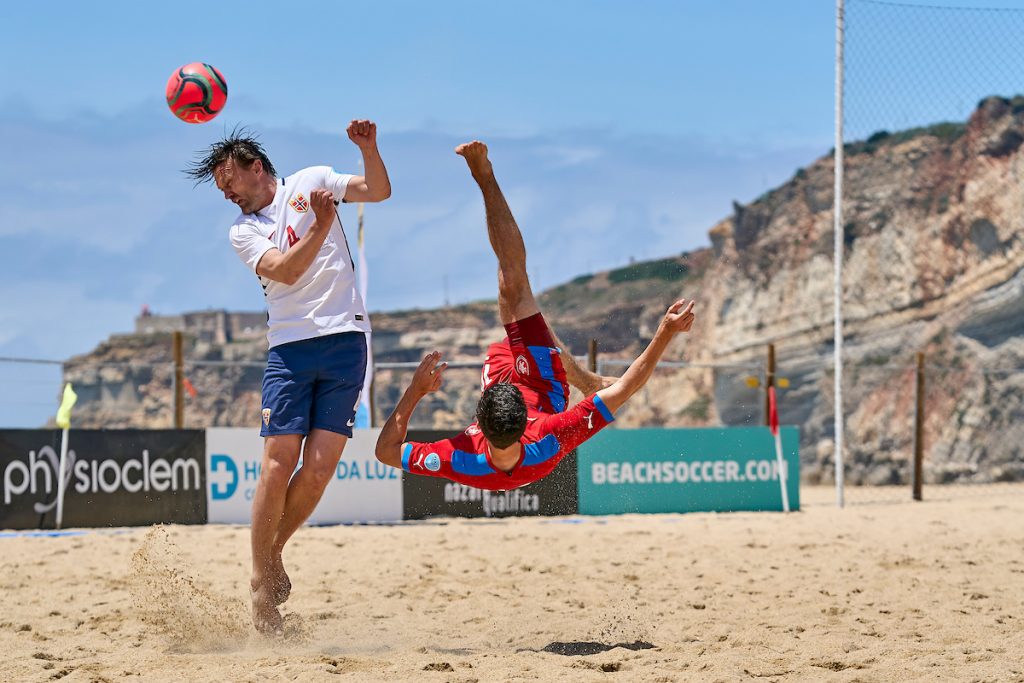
pixel 363 133
pixel 679 317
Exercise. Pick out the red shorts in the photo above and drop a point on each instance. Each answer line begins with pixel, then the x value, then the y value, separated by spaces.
pixel 529 359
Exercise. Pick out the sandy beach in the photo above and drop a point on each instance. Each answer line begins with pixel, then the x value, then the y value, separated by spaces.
pixel 881 592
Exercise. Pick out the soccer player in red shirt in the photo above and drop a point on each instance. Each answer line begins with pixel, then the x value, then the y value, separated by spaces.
pixel 522 428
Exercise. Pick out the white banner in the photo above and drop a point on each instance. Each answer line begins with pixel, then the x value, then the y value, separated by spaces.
pixel 362 489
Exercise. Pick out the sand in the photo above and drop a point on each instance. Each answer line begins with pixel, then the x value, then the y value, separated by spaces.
pixel 883 592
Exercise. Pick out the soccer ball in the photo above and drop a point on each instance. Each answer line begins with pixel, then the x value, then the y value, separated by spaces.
pixel 196 92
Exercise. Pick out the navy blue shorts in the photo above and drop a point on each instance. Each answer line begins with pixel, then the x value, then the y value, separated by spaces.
pixel 314 384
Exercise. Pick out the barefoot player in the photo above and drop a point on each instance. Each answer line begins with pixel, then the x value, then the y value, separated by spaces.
pixel 289 233
pixel 522 427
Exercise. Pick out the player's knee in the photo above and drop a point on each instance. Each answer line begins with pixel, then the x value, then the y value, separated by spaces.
pixel 322 473
pixel 278 468
pixel 510 297
pixel 512 287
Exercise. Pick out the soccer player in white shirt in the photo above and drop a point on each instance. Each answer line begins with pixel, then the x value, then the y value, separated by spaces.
pixel 289 233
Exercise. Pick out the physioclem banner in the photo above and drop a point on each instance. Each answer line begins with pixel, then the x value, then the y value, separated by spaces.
pixel 129 477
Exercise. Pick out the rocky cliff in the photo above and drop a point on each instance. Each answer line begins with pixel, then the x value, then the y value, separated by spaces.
pixel 934 260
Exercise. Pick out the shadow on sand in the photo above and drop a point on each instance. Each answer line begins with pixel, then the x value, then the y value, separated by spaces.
pixel 584 648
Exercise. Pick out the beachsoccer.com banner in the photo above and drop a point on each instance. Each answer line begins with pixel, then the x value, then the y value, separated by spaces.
pixel 126 477
pixel 687 470
pixel 362 489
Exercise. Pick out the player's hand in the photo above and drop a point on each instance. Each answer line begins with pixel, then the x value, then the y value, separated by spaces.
pixel 322 202
pixel 363 133
pixel 427 378
pixel 679 317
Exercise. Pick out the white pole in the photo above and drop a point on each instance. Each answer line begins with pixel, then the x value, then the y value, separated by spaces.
pixel 60 477
pixel 837 232
pixel 782 469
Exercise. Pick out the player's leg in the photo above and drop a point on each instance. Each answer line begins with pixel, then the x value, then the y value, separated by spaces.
pixel 280 455
pixel 583 379
pixel 341 368
pixel 319 464
pixel 287 401
pixel 515 297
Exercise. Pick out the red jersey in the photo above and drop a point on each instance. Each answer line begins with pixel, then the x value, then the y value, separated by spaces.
pixel 466 458
pixel 529 359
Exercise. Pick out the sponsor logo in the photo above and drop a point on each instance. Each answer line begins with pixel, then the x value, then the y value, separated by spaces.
pixel 38 474
pixel 432 462
pixel 683 472
pixel 299 203
pixel 293 239
pixel 419 461
pixel 493 502
pixel 472 430
pixel 522 367
pixel 223 476
pixel 266 416
pixel 237 478
pixel 590 420
pixel 351 423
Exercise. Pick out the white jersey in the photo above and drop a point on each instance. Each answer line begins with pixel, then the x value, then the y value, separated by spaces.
pixel 325 299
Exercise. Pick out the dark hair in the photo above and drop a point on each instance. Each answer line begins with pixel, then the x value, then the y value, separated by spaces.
pixel 241 144
pixel 501 414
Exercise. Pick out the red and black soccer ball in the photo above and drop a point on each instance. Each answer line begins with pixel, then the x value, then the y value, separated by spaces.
pixel 196 92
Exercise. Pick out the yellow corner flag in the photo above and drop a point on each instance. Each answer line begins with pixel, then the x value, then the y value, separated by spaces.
pixel 66 403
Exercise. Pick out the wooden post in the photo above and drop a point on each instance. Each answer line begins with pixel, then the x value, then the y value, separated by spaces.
pixel 373 402
pixel 769 381
pixel 919 430
pixel 179 381
pixel 592 355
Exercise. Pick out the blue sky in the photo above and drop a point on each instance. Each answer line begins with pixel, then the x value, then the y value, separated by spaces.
pixel 617 131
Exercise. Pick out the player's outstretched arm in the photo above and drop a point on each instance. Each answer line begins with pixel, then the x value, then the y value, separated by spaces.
pixel 426 380
pixel 375 185
pixel 679 318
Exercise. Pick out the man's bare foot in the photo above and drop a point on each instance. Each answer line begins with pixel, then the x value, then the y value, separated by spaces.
pixel 265 615
pixel 475 154
pixel 280 584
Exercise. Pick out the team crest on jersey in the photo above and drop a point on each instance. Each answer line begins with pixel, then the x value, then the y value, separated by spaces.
pixel 432 462
pixel 299 203
pixel 266 416
pixel 522 367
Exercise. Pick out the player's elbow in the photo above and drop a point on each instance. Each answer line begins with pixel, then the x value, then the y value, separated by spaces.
pixel 288 276
pixel 388 454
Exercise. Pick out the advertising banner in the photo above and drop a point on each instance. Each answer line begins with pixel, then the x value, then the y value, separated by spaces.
pixel 423 497
pixel 686 470
pixel 362 489
pixel 125 477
